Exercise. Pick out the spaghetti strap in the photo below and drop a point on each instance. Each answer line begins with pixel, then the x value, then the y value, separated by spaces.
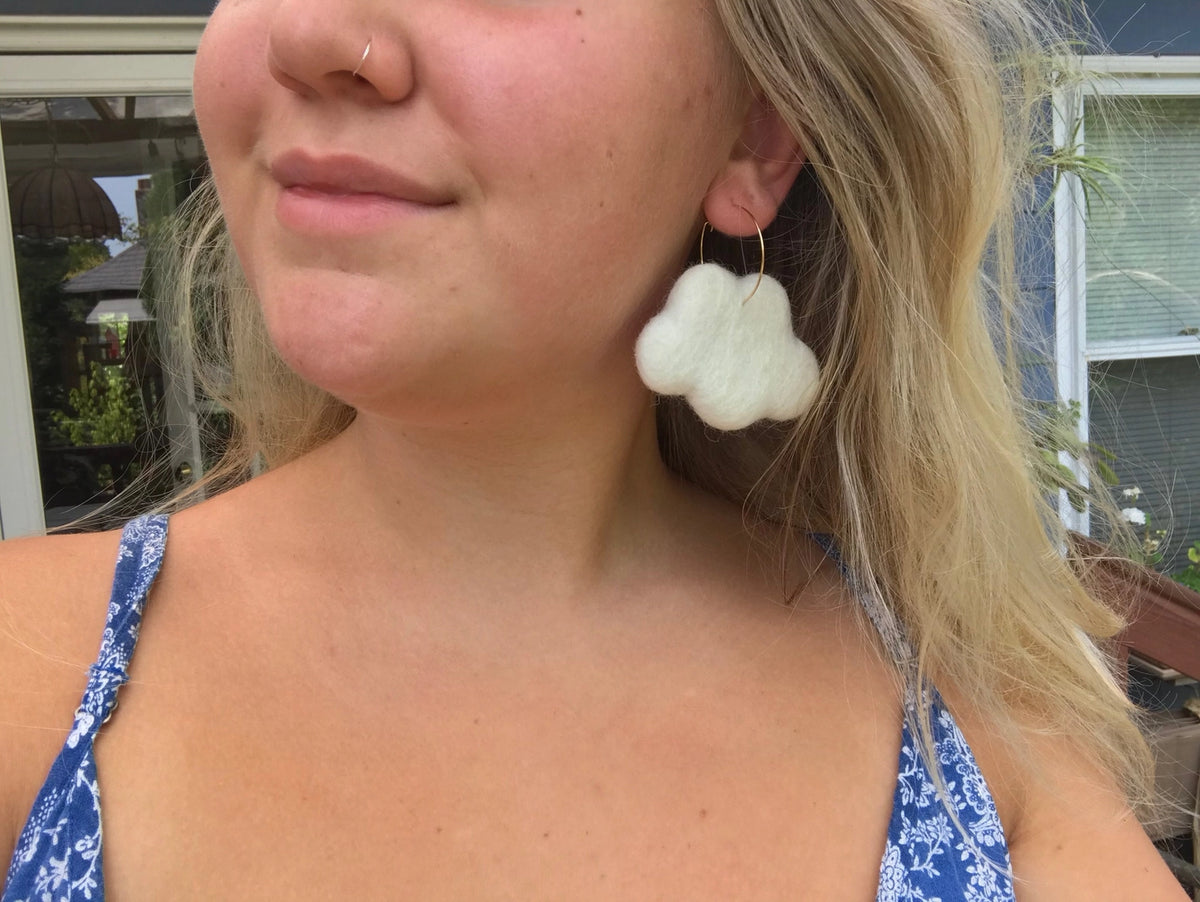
pixel 881 616
pixel 58 856
pixel 946 843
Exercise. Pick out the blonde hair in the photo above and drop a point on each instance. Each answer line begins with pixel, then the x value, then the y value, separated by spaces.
pixel 918 119
pixel 215 340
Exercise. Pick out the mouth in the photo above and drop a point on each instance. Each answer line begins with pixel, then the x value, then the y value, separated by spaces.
pixel 348 194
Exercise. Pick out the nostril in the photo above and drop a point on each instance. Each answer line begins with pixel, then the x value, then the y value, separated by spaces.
pixel 311 59
pixel 280 74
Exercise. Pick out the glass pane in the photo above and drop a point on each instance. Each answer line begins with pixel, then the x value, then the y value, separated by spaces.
pixel 90 180
pixel 1144 412
pixel 1143 235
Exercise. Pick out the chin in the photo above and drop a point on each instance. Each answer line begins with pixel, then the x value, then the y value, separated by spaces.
pixel 342 339
pixel 356 370
pixel 406 375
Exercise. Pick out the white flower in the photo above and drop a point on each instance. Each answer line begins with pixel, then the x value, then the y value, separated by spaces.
pixel 1134 515
pixel 1132 494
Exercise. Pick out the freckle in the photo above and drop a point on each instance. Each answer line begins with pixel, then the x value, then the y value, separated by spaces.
pixel 609 154
pixel 601 205
pixel 439 829
pixel 579 12
pixel 703 813
pixel 545 836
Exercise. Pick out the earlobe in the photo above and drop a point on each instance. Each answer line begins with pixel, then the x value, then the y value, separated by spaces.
pixel 763 165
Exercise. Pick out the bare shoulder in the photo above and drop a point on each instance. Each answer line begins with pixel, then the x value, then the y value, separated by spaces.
pixel 1077 838
pixel 1070 832
pixel 53 601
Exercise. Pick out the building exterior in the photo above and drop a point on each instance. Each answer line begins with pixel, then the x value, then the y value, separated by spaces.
pixel 105 98
pixel 1126 297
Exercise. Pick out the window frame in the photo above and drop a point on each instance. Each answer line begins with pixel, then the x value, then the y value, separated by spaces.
pixel 65 56
pixel 100 34
pixel 1137 76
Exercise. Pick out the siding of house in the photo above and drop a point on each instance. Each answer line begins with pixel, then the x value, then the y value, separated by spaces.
pixel 1156 27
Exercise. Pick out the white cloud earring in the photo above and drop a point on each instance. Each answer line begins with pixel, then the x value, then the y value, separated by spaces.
pixel 725 343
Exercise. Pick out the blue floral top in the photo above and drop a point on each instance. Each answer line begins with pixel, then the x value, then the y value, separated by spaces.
pixel 938 850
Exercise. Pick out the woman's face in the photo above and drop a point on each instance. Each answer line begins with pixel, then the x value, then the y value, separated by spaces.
pixel 497 199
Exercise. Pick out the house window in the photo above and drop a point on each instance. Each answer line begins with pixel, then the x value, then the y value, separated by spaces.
pixel 1130 287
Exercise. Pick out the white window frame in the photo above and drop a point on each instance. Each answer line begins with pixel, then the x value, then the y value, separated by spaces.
pixel 1142 76
pixel 66 56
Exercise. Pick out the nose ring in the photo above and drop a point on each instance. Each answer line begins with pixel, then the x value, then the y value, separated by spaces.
pixel 362 61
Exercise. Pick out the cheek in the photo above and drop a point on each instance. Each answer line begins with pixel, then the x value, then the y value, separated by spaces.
pixel 228 81
pixel 611 133
pixel 606 95
pixel 230 85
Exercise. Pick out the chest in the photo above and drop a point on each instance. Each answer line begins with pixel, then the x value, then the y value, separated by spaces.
pixel 493 800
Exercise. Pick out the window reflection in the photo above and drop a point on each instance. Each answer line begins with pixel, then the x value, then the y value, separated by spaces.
pixel 92 180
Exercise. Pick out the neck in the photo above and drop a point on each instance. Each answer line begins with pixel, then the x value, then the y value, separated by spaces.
pixel 568 499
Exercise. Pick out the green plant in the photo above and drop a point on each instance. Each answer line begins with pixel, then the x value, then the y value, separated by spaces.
pixel 1190 575
pixel 1091 170
pixel 106 407
pixel 1055 430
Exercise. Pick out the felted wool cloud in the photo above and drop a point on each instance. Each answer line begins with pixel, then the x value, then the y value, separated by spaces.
pixel 736 361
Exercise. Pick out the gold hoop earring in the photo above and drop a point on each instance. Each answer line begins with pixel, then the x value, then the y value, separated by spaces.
pixel 762 249
pixel 736 363
pixel 362 62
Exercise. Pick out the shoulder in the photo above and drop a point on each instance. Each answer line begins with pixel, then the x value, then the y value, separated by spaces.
pixel 1071 835
pixel 53 603
pixel 1077 838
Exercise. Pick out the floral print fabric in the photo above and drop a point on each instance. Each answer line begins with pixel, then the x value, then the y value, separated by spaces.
pixel 57 858
pixel 931 855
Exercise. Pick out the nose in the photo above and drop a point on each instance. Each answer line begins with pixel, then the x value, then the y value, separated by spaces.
pixel 334 49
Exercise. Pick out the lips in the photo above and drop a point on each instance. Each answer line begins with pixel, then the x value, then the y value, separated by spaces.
pixel 344 174
pixel 347 193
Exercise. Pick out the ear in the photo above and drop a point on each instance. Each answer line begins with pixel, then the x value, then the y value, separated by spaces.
pixel 762 167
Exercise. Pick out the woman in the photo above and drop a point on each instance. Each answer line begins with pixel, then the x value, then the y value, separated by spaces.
pixel 469 636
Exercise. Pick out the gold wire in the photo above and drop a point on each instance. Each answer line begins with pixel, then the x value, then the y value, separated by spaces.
pixel 362 62
pixel 762 249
